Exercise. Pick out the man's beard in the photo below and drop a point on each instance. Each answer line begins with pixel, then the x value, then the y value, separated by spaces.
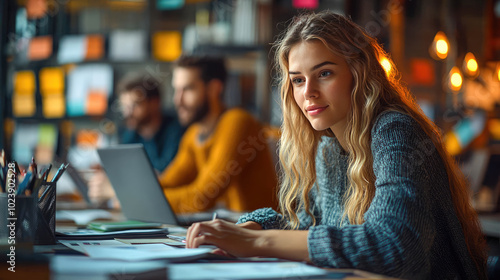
pixel 135 124
pixel 201 113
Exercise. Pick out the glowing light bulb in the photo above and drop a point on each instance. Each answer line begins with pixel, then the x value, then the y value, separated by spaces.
pixel 470 66
pixel 498 72
pixel 455 80
pixel 386 64
pixel 440 46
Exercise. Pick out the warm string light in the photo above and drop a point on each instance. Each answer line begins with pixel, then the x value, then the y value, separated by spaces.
pixel 455 79
pixel 498 72
pixel 470 66
pixel 440 46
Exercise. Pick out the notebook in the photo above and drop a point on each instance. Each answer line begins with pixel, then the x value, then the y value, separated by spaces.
pixel 136 184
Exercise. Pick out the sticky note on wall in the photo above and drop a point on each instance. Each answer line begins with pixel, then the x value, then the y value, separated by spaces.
pixel 23 105
pixel 51 80
pixel 36 8
pixel 167 45
pixel 53 105
pixel 52 91
pixel 127 45
pixel 89 87
pixel 24 81
pixel 23 99
pixel 72 49
pixel 97 103
pixel 95 47
pixel 40 48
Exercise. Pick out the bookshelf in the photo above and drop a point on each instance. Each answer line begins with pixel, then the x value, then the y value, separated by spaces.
pixel 246 56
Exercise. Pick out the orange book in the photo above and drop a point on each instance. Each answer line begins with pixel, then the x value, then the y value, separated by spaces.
pixel 36 8
pixel 95 47
pixel 97 103
pixel 87 137
pixel 40 48
pixel 167 45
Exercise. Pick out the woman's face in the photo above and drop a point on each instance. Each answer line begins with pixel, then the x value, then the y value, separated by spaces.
pixel 322 84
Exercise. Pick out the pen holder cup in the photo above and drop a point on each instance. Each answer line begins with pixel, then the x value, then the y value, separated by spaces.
pixel 46 223
pixel 28 219
pixel 18 222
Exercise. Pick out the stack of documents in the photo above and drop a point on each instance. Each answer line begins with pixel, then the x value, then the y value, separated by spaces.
pixel 115 250
pixel 90 234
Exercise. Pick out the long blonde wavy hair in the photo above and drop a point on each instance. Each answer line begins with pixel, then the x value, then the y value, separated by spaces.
pixel 374 91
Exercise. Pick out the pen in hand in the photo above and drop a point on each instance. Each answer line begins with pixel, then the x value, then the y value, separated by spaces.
pixel 177 238
pixel 183 238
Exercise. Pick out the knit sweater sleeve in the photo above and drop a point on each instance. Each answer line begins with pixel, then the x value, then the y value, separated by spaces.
pixel 399 229
pixel 267 218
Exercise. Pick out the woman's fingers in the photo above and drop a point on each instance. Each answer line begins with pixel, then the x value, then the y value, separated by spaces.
pixel 192 231
pixel 203 239
pixel 221 252
pixel 201 229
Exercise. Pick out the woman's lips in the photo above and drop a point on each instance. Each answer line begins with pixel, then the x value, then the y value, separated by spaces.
pixel 315 110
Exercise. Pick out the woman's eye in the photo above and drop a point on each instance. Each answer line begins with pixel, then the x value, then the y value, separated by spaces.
pixel 325 74
pixel 297 80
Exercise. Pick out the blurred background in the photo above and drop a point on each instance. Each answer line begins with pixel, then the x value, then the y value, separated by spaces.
pixel 60 61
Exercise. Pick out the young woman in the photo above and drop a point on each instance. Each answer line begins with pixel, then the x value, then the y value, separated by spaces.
pixel 366 180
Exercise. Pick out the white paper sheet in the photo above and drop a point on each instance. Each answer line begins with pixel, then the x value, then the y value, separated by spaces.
pixel 146 252
pixel 125 45
pixel 72 49
pixel 82 217
pixel 75 265
pixel 260 270
pixel 84 78
pixel 80 246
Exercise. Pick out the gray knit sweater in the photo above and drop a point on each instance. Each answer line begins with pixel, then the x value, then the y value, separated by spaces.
pixel 410 229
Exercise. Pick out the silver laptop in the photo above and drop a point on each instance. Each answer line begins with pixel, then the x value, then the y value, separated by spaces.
pixel 136 184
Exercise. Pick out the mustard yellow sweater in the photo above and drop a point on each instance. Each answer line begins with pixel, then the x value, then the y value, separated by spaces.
pixel 232 168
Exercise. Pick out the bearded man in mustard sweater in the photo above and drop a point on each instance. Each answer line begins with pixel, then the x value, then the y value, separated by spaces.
pixel 223 158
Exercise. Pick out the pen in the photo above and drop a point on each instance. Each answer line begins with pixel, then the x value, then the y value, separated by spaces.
pixel 59 172
pixel 33 166
pixel 24 185
pixel 33 178
pixel 177 238
pixel 214 216
pixel 45 174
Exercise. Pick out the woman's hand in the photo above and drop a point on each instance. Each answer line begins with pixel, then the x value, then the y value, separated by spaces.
pixel 250 225
pixel 246 240
pixel 235 240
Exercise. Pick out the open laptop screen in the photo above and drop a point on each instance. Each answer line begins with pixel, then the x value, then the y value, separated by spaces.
pixel 136 184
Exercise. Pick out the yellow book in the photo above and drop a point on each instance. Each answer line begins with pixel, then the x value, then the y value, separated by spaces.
pixel 167 45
